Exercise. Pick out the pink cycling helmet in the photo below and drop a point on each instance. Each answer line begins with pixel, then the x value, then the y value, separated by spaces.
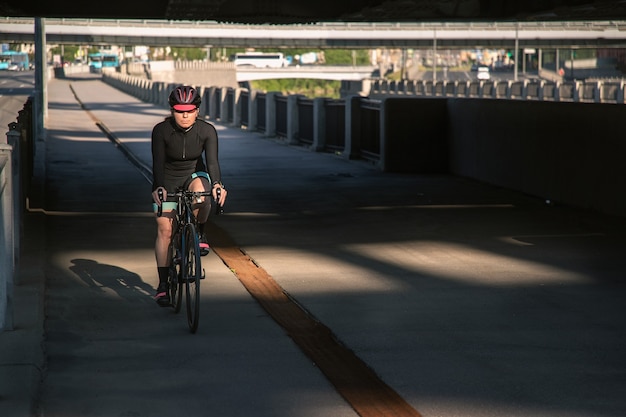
pixel 184 98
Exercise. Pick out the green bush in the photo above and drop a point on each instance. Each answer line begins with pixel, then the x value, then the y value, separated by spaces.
pixel 310 88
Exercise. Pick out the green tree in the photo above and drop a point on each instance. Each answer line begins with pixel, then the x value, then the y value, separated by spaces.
pixel 67 52
pixel 310 88
pixel 188 54
pixel 346 57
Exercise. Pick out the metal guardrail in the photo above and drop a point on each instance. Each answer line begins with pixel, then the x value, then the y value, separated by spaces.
pixel 613 92
pixel 479 25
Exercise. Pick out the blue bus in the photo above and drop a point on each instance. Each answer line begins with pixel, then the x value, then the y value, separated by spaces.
pixel 101 60
pixel 14 61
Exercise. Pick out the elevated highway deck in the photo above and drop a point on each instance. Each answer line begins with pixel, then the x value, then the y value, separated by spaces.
pixel 320 35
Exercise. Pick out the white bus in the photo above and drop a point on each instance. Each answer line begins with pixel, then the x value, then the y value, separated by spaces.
pixel 260 59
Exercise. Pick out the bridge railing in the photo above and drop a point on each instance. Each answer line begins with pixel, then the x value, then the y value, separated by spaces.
pixel 350 128
pixel 16 170
pixel 610 91
pixel 401 132
pixel 354 127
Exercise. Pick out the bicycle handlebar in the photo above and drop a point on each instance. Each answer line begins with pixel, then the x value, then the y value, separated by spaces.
pixel 190 193
pixel 218 207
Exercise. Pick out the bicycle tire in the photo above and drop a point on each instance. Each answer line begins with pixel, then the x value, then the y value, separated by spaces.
pixel 192 271
pixel 176 285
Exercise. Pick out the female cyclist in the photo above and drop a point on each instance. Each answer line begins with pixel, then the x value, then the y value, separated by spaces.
pixel 178 145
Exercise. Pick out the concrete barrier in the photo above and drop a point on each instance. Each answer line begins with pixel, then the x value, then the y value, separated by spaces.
pixel 552 141
pixel 7 241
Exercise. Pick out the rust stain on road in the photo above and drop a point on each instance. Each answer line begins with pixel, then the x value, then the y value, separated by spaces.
pixel 356 382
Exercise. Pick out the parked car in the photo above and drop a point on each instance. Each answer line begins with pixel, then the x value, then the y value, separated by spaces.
pixel 483 73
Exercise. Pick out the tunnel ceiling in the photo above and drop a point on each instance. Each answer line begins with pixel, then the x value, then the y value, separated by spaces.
pixel 295 11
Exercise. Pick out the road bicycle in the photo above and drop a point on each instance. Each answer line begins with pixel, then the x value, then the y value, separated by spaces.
pixel 185 265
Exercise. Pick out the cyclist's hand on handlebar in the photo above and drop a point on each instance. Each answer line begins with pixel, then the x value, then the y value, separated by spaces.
pixel 159 197
pixel 220 197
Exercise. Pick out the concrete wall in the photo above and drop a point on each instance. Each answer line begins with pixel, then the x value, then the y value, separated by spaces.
pixel 414 135
pixel 571 153
pixel 185 72
pixel 566 152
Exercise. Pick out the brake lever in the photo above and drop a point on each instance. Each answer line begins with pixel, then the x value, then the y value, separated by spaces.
pixel 218 207
pixel 160 209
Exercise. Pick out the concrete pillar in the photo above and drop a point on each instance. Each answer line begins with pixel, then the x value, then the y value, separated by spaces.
pixel 507 92
pixel 578 86
pixel 40 112
pixel 270 114
pixel 211 101
pixel 465 89
pixel 204 106
pixel 366 87
pixel 252 111
pixel 164 94
pixel 353 127
pixel 292 119
pixel 319 124
pixel 382 161
pixel 14 137
pixel 237 107
pixel 224 110
pixel 41 81
pixel 557 91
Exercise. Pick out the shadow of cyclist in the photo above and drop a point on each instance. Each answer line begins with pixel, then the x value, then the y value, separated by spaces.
pixel 98 276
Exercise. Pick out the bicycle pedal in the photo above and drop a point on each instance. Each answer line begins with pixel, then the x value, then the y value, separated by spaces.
pixel 203 274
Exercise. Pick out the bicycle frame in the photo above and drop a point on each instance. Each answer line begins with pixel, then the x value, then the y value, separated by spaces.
pixel 186 266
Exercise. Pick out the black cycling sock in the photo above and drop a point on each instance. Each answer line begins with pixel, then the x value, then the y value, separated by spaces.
pixel 201 229
pixel 164 272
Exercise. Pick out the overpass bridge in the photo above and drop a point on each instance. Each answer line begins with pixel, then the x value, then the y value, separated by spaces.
pixel 318 72
pixel 195 72
pixel 320 35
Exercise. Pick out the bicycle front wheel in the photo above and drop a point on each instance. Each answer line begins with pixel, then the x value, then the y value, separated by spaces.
pixel 176 284
pixel 192 272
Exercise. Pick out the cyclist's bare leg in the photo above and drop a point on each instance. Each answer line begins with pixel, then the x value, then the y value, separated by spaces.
pixel 163 239
pixel 162 254
pixel 201 210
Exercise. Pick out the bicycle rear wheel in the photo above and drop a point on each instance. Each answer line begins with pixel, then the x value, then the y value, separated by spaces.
pixel 192 272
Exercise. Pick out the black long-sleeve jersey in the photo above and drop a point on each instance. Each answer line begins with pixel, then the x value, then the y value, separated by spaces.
pixel 176 153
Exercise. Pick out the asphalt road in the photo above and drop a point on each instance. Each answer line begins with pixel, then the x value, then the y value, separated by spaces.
pixel 15 88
